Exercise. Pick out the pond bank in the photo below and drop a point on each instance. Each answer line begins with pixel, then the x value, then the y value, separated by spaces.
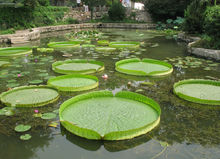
pixel 24 36
pixel 190 40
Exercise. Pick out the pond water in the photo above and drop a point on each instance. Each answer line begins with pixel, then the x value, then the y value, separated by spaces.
pixel 187 130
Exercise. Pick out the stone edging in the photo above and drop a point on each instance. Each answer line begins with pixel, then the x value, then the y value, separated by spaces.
pixel 214 54
pixel 27 36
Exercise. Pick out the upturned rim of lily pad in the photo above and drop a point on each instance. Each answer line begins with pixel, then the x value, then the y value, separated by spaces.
pixel 83 71
pixel 142 73
pixel 194 99
pixel 4 63
pixel 73 88
pixel 35 104
pixel 125 44
pixel 64 44
pixel 5 52
pixel 114 135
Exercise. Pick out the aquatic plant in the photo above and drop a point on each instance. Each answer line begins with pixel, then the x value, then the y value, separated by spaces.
pixel 198 91
pixel 29 96
pixel 81 66
pixel 101 115
pixel 74 82
pixel 144 67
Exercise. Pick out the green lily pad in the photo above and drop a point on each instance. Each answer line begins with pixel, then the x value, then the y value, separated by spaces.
pixel 12 85
pixel 22 128
pixel 87 45
pixel 78 66
pixel 4 63
pixel 124 44
pixel 144 67
pixel 14 51
pixel 105 49
pixel 103 42
pixel 25 137
pixel 64 44
pixel 35 82
pixel 29 96
pixel 199 91
pixel 74 82
pixel 45 50
pixel 100 115
pixel 49 116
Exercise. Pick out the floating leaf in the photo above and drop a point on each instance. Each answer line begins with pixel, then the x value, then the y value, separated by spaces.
pixel 25 137
pixel 163 144
pixel 100 115
pixel 73 82
pixel 29 96
pixel 37 115
pixel 199 91
pixel 53 124
pixel 22 128
pixel 144 67
pixel 56 111
pixel 139 90
pixel 36 82
pixel 49 116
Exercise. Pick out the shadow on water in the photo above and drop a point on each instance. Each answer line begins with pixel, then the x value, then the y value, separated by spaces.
pixel 111 146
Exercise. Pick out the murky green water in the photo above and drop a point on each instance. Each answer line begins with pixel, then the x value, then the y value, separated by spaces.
pixel 191 130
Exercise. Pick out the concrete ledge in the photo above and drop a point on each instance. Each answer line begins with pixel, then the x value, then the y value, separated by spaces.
pixel 27 36
pixel 209 53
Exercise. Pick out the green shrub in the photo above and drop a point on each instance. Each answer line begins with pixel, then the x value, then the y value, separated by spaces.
pixel 212 21
pixel 117 12
pixel 212 26
pixel 44 2
pixel 72 21
pixel 166 9
pixel 194 16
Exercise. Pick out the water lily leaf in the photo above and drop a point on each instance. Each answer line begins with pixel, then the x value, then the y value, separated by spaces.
pixel 139 90
pixel 163 144
pixel 22 128
pixel 29 96
pixel 36 82
pixel 9 113
pixel 144 67
pixel 37 115
pixel 199 91
pixel 25 137
pixel 12 85
pixel 53 124
pixel 56 111
pixel 101 115
pixel 49 116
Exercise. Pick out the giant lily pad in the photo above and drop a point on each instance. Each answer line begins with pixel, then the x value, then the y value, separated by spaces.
pixel 144 67
pixel 78 66
pixel 101 115
pixel 199 91
pixel 103 42
pixel 105 49
pixel 29 96
pixel 74 82
pixel 64 44
pixel 124 44
pixel 14 51
pixel 4 63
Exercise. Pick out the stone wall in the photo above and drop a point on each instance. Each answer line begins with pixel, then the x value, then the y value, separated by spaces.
pixel 209 53
pixel 27 35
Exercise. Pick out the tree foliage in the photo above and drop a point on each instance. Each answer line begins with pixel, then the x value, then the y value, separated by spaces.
pixel 165 9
